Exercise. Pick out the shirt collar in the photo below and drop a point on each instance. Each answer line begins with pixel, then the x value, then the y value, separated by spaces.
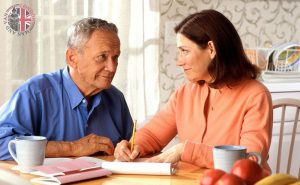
pixel 74 93
pixel 71 88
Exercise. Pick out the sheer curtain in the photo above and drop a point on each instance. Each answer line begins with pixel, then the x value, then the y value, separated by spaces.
pixel 43 49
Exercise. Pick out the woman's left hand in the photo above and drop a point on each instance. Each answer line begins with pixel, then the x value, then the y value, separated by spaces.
pixel 171 155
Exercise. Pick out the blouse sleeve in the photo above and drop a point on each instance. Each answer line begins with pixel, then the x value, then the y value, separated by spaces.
pixel 199 154
pixel 159 131
pixel 256 131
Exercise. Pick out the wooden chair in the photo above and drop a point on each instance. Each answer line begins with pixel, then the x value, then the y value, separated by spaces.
pixel 284 103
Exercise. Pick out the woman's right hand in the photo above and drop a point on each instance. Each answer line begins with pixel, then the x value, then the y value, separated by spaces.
pixel 123 152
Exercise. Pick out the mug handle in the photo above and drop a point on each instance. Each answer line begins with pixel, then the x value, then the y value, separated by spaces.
pixel 255 154
pixel 12 142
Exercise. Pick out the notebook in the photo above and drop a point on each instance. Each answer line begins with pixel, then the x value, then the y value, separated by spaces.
pixel 68 171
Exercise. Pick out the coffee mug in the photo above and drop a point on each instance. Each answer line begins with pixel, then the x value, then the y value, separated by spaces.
pixel 225 156
pixel 30 151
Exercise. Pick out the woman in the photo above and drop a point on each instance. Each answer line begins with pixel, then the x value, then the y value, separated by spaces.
pixel 223 104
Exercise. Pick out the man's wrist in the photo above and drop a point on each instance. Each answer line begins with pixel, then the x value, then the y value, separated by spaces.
pixel 59 149
pixel 71 147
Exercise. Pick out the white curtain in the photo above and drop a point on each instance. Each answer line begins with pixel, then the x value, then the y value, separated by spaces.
pixel 43 49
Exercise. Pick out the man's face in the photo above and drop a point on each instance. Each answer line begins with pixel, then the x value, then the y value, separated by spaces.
pixel 94 67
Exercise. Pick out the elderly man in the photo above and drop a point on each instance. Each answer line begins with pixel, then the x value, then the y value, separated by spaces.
pixel 76 108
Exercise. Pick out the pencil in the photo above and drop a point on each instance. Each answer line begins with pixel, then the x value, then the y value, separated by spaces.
pixel 133 135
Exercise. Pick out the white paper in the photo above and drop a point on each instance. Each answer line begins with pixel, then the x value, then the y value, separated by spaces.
pixel 145 168
pixel 139 168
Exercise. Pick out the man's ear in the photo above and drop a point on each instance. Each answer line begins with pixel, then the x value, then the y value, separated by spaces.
pixel 71 57
pixel 212 49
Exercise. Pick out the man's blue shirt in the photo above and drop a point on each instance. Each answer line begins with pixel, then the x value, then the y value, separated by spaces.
pixel 51 105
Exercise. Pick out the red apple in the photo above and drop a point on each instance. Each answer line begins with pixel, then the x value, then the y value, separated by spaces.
pixel 211 176
pixel 248 170
pixel 230 179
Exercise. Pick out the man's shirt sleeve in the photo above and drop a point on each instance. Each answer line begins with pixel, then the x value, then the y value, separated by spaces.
pixel 17 117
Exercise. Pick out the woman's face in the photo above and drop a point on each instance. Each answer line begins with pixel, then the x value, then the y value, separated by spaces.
pixel 194 60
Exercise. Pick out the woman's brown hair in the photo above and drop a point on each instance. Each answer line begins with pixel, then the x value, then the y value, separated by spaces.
pixel 230 64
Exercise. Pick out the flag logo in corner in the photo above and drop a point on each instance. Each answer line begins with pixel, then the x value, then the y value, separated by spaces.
pixel 19 19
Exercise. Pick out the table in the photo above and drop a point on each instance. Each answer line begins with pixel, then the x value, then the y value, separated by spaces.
pixel 186 174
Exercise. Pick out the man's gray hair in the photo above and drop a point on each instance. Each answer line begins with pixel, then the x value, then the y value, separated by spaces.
pixel 80 32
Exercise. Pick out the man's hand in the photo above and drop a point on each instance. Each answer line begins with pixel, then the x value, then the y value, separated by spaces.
pixel 87 145
pixel 171 155
pixel 91 144
pixel 123 152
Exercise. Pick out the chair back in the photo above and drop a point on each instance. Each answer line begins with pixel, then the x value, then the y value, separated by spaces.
pixel 293 105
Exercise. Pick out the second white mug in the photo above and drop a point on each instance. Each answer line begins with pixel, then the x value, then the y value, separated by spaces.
pixel 225 156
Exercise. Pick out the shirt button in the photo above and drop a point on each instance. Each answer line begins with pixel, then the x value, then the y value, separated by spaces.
pixel 83 101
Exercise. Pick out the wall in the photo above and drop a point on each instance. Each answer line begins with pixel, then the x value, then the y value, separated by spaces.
pixel 259 23
pixel 3 62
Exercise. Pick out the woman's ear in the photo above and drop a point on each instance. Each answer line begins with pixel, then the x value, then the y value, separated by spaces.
pixel 212 49
pixel 71 57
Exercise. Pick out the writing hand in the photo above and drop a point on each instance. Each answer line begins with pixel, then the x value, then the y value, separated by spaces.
pixel 171 155
pixel 123 152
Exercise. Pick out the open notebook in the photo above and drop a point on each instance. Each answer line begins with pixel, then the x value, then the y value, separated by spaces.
pixel 144 168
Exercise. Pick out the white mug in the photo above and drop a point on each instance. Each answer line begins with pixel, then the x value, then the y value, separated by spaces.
pixel 225 156
pixel 30 151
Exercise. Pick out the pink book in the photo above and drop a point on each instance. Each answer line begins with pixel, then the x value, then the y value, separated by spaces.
pixel 69 171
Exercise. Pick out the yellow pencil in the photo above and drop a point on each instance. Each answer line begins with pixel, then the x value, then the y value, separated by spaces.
pixel 133 134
